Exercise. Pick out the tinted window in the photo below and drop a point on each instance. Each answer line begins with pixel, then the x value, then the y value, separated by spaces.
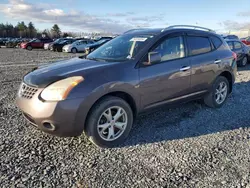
pixel 231 45
pixel 216 41
pixel 237 45
pixel 198 45
pixel 171 48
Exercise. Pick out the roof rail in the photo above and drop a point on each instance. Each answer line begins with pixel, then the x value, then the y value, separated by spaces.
pixel 133 30
pixel 189 26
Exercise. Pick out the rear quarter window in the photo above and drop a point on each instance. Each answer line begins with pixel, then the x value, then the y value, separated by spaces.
pixel 198 45
pixel 216 41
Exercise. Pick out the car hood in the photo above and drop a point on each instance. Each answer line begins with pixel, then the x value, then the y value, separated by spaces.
pixel 67 46
pixel 49 73
pixel 90 45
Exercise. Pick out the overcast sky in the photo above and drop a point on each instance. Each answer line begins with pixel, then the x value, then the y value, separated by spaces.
pixel 120 15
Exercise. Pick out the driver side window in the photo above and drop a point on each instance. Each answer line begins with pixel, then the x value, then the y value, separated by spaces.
pixel 171 48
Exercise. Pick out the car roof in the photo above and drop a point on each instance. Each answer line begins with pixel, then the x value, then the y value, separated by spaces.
pixel 156 31
pixel 232 40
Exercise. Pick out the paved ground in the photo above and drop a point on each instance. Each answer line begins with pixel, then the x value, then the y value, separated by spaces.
pixel 186 146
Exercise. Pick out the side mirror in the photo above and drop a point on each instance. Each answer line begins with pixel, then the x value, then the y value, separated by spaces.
pixel 153 58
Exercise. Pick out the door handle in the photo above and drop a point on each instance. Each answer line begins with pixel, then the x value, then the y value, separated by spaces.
pixel 185 68
pixel 217 61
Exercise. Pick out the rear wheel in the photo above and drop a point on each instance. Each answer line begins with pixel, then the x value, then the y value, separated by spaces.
pixel 219 93
pixel 29 48
pixel 243 62
pixel 110 122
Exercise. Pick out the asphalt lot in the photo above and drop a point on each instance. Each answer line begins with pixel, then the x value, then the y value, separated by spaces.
pixel 186 146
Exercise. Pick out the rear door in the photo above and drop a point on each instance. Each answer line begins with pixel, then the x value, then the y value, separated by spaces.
pixel 169 79
pixel 238 49
pixel 204 60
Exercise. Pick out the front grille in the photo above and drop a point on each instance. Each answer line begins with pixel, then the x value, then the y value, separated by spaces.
pixel 26 91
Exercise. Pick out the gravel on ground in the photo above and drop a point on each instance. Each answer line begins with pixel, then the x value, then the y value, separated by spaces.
pixel 185 146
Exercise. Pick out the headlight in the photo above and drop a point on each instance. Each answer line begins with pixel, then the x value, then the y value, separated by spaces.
pixel 59 90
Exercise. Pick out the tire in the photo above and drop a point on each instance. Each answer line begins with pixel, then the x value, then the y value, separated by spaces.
pixel 210 99
pixel 29 48
pixel 243 62
pixel 100 136
pixel 74 50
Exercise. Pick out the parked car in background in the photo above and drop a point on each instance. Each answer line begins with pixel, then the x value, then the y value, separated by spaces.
pixel 36 43
pixel 101 38
pixel 47 46
pixel 3 41
pixel 13 43
pixel 231 37
pixel 91 47
pixel 242 51
pixel 57 47
pixel 77 46
pixel 102 93
pixel 246 41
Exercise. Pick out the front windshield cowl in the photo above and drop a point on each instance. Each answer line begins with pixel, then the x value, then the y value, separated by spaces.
pixel 122 48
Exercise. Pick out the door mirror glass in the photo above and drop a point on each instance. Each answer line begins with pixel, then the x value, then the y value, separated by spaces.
pixel 153 58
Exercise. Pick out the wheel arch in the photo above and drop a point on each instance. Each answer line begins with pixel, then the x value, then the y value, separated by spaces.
pixel 229 77
pixel 121 94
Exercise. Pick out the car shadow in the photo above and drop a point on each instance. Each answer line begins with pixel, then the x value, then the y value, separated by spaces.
pixel 193 119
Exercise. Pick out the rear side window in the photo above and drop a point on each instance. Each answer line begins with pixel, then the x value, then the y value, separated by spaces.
pixel 216 41
pixel 237 45
pixel 198 45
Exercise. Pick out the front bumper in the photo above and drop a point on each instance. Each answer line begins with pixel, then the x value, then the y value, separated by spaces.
pixel 62 115
pixel 46 47
pixel 66 50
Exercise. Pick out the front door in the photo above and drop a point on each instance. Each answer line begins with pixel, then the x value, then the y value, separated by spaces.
pixel 168 79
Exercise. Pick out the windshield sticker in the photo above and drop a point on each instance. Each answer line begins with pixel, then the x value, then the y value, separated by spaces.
pixel 129 57
pixel 137 39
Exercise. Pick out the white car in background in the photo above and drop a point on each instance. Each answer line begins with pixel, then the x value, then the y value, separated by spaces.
pixel 77 46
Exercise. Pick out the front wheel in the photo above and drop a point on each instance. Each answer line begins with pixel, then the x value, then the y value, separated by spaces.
pixel 219 93
pixel 29 48
pixel 109 122
pixel 74 50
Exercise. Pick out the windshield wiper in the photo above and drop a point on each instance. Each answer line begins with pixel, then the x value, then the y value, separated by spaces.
pixel 97 59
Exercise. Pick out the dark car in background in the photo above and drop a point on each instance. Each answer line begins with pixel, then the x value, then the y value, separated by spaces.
pixel 102 38
pixel 102 93
pixel 231 37
pixel 242 51
pixel 36 43
pixel 57 47
pixel 246 40
pixel 91 47
pixel 3 41
pixel 47 46
pixel 13 43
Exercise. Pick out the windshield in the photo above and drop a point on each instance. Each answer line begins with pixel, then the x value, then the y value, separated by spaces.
pixel 57 40
pixel 101 41
pixel 122 48
pixel 63 41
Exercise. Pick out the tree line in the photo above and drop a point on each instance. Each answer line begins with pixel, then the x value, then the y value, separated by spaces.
pixel 29 31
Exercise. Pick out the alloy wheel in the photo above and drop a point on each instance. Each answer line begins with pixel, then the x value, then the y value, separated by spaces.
pixel 244 61
pixel 221 93
pixel 112 123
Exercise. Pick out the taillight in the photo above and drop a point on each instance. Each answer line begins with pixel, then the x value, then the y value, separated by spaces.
pixel 235 56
